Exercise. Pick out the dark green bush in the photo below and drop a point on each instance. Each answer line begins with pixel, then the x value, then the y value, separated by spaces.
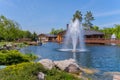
pixel 14 57
pixel 29 71
pixel 2 58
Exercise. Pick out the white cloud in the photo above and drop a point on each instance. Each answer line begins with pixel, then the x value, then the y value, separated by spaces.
pixel 103 14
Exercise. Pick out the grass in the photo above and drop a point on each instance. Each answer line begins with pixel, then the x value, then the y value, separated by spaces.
pixel 29 71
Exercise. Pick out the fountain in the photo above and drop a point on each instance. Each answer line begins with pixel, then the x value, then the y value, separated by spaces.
pixel 74 38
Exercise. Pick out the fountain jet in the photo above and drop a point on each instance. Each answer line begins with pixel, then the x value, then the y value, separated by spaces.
pixel 74 38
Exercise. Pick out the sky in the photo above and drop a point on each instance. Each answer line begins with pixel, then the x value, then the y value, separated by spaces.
pixel 42 15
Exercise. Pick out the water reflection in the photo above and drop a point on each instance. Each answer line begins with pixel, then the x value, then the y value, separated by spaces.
pixel 74 56
pixel 83 59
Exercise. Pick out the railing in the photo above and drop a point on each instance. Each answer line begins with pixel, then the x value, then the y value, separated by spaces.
pixel 102 40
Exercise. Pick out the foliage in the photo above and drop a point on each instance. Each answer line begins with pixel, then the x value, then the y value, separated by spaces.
pixel 56 31
pixel 77 15
pixel 96 28
pixel 29 71
pixel 18 45
pixel 55 74
pixel 21 45
pixel 9 30
pixel 116 31
pixel 34 36
pixel 23 71
pixel 14 57
pixel 109 31
pixel 88 18
pixel 87 24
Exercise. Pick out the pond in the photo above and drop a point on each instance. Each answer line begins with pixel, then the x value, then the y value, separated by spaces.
pixel 102 57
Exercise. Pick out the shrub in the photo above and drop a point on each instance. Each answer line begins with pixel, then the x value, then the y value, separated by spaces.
pixel 56 74
pixel 23 71
pixel 14 57
pixel 21 45
pixel 29 71
pixel 2 59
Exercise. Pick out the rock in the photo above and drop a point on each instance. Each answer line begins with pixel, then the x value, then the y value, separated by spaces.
pixel 89 71
pixel 116 77
pixel 64 63
pixel 113 75
pixel 41 76
pixel 47 63
pixel 72 68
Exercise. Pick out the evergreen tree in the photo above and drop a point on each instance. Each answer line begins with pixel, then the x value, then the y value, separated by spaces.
pixel 34 37
pixel 77 15
pixel 88 18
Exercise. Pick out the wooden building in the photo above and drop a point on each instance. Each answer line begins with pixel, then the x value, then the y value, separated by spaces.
pixel 47 37
pixel 93 34
pixel 89 34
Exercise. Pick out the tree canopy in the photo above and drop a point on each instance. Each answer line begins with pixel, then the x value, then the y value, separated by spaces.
pixel 114 30
pixel 10 30
pixel 96 28
pixel 77 15
pixel 108 31
pixel 88 17
pixel 55 31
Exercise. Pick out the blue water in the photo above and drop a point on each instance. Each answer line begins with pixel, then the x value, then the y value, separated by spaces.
pixel 101 57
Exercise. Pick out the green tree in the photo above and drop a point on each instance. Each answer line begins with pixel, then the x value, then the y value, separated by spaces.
pixel 9 30
pixel 96 28
pixel 117 31
pixel 108 32
pixel 114 30
pixel 56 31
pixel 77 15
pixel 53 31
pixel 34 36
pixel 28 34
pixel 88 18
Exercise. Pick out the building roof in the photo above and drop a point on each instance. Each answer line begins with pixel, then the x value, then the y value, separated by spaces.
pixel 86 32
pixel 47 35
pixel 92 32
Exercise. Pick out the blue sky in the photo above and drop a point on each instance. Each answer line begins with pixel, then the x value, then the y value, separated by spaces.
pixel 43 15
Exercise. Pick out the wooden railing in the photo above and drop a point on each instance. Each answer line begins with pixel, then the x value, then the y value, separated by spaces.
pixel 102 41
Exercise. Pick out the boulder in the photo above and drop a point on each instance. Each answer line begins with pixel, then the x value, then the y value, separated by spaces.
pixel 41 76
pixel 72 68
pixel 116 77
pixel 47 63
pixel 64 63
